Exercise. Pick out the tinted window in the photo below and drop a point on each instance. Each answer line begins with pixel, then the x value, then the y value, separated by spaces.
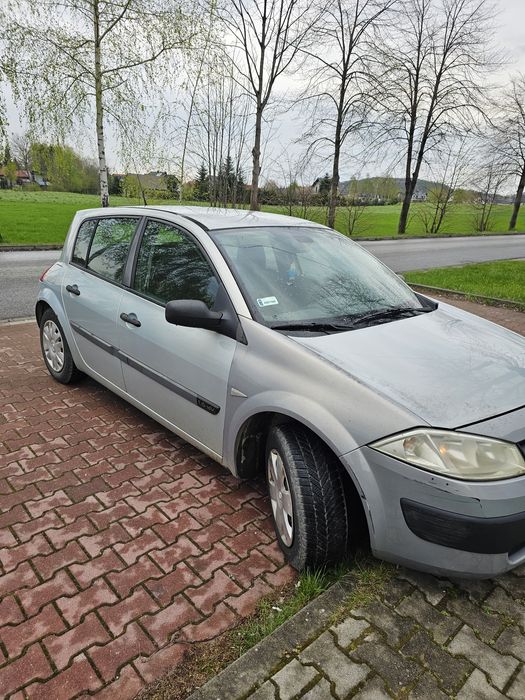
pixel 85 232
pixel 171 266
pixel 109 249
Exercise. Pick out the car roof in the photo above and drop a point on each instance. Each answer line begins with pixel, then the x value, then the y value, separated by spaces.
pixel 213 218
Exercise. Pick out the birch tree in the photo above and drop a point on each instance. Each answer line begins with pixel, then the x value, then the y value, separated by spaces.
pixel 92 62
pixel 435 78
pixel 268 35
pixel 341 87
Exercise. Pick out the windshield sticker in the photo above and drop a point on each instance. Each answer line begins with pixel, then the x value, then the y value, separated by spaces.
pixel 267 301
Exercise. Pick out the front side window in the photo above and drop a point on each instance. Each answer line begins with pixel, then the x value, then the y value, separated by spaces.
pixel 297 275
pixel 109 248
pixel 171 266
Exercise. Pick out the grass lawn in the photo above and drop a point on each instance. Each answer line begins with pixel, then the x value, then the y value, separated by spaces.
pixel 502 280
pixel 44 217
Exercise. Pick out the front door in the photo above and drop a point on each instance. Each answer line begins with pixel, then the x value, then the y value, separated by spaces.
pixel 91 292
pixel 179 373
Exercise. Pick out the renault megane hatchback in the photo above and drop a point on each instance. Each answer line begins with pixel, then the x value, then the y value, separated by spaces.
pixel 279 346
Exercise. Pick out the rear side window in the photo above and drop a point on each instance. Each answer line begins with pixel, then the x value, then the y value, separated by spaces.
pixel 171 266
pixel 84 235
pixel 109 248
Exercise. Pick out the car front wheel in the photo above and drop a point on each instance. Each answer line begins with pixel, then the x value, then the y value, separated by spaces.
pixel 55 350
pixel 307 497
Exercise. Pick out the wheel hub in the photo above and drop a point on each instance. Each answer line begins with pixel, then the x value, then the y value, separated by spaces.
pixel 53 345
pixel 280 497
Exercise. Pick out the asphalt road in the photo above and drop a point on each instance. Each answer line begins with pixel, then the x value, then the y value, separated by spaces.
pixel 19 271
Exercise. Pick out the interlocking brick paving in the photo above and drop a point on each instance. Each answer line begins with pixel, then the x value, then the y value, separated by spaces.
pixel 117 538
pixel 120 544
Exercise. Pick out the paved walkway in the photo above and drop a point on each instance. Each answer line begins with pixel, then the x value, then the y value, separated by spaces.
pixel 421 638
pixel 119 542
pixel 116 538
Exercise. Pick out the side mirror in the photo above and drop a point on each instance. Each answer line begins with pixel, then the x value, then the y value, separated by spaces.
pixel 193 314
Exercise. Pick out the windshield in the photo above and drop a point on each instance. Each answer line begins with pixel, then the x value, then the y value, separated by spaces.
pixel 296 275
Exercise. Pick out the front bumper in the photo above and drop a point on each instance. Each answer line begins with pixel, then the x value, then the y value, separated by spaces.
pixel 443 526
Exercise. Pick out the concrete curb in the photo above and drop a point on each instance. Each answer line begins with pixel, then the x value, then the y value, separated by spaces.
pixel 478 298
pixel 25 248
pixel 16 321
pixel 257 664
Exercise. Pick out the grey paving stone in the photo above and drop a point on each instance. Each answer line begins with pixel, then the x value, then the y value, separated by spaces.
pixel 344 673
pixel 434 589
pixel 517 689
pixel 396 590
pixel 440 626
pixel 267 691
pixel 498 666
pixel 501 602
pixel 348 631
pixel 476 589
pixel 320 691
pixel 373 690
pixel 450 671
pixel 396 670
pixel 394 627
pixel 514 585
pixel 486 625
pixel 427 689
pixel 477 688
pixel 293 679
pixel 520 571
pixel 511 641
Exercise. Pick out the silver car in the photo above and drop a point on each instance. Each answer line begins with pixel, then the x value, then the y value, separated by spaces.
pixel 277 345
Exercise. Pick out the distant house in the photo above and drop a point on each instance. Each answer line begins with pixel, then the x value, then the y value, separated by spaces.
pixel 419 196
pixel 23 177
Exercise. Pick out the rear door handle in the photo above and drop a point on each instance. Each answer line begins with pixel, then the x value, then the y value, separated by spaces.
pixel 131 318
pixel 73 288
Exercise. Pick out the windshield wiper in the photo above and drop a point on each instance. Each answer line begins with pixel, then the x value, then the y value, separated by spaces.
pixel 393 312
pixel 311 326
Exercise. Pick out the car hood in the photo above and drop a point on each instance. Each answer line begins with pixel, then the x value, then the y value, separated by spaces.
pixel 448 367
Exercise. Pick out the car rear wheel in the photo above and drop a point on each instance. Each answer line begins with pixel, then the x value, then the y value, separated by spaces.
pixel 55 350
pixel 307 496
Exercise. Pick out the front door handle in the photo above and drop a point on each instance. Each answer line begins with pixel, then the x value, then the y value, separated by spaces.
pixel 131 318
pixel 73 288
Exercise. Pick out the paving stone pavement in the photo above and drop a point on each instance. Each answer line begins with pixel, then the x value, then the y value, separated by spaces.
pixel 118 540
pixel 119 543
pixel 425 639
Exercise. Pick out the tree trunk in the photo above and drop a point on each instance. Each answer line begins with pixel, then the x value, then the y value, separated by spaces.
pixel 102 166
pixel 256 154
pixel 405 208
pixel 334 185
pixel 517 201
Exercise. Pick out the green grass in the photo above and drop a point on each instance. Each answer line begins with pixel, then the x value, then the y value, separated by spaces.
pixel 34 218
pixel 501 280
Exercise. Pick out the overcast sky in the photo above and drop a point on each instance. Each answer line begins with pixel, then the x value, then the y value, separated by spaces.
pixel 509 34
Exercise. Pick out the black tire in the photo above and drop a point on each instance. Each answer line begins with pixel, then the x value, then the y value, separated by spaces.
pixel 315 482
pixel 68 372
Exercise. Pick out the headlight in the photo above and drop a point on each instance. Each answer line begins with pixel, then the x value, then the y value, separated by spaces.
pixel 459 455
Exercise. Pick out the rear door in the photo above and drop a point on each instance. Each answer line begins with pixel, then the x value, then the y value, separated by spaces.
pixel 179 373
pixel 92 290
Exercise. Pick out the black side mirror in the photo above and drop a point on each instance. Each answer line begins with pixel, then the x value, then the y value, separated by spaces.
pixel 193 314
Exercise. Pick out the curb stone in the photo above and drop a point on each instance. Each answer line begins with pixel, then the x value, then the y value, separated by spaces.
pixel 478 298
pixel 253 668
pixel 25 248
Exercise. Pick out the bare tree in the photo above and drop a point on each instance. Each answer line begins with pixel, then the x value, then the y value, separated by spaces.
pixel 490 178
pixel 92 61
pixel 456 161
pixel 510 138
pixel 268 34
pixel 22 149
pixel 436 64
pixel 341 86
